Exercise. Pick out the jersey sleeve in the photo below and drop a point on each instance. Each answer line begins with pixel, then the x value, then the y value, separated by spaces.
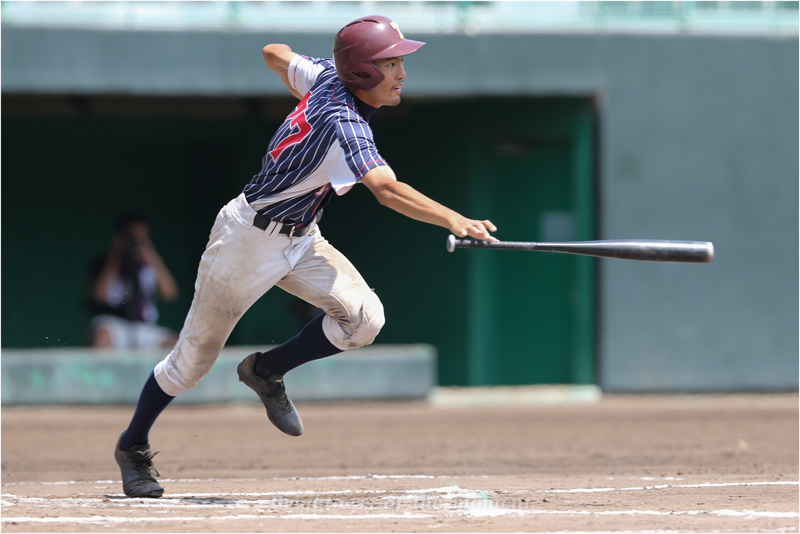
pixel 360 153
pixel 303 73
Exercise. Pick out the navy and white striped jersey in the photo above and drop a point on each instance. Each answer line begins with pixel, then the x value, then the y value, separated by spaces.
pixel 325 145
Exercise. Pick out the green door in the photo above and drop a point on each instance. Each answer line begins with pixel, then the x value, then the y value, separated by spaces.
pixel 531 312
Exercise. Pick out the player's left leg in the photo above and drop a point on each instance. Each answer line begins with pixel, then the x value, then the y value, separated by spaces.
pixel 353 317
pixel 324 277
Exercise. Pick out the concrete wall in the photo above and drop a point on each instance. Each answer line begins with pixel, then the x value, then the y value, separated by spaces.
pixel 698 140
pixel 87 376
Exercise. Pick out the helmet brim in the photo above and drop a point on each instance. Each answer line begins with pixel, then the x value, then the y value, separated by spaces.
pixel 402 48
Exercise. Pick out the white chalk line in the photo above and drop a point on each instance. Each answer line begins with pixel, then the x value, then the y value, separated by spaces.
pixel 474 510
pixel 665 486
pixel 487 508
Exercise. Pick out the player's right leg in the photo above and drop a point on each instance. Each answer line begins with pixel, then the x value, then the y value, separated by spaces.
pixel 132 451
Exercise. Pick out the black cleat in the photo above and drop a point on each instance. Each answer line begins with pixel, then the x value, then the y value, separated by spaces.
pixel 137 469
pixel 272 393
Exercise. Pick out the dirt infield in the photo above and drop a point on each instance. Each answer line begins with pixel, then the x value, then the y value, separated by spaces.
pixel 629 463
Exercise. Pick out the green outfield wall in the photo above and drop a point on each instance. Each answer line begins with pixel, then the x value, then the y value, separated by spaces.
pixel 637 136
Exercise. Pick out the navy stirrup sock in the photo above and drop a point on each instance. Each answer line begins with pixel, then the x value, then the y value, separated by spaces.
pixel 309 344
pixel 152 402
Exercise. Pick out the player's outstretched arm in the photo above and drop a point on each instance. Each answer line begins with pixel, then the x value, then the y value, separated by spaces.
pixel 278 57
pixel 406 200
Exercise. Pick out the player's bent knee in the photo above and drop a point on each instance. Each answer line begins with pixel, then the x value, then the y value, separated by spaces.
pixel 372 320
pixel 359 326
pixel 185 367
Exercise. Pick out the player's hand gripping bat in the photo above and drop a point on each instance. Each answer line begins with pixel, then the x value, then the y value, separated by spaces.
pixel 624 249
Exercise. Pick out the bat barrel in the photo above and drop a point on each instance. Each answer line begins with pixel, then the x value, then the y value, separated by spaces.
pixel 640 250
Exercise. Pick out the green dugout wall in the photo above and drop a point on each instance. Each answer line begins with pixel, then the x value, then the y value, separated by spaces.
pixel 531 315
pixel 495 317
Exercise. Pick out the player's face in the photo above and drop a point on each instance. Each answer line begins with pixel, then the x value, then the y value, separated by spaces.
pixel 387 93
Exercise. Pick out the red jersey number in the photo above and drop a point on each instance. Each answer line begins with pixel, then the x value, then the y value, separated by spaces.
pixel 298 117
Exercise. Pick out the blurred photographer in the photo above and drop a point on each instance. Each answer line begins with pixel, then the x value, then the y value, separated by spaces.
pixel 126 286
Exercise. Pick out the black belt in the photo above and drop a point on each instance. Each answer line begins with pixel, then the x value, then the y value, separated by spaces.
pixel 261 222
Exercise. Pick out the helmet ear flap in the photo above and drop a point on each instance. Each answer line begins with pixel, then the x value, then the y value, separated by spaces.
pixel 374 76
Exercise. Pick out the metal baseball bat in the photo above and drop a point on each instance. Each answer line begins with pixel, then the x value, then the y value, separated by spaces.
pixel 623 249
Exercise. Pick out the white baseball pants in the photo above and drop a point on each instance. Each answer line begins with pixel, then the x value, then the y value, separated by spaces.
pixel 240 264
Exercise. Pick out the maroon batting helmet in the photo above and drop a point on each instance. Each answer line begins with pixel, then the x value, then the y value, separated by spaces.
pixel 361 42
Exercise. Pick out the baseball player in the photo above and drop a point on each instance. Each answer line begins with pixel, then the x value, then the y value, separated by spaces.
pixel 269 235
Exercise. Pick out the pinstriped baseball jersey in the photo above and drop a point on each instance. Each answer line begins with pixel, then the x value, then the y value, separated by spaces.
pixel 325 145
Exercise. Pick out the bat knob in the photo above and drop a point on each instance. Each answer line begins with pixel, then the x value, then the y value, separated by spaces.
pixel 451 243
